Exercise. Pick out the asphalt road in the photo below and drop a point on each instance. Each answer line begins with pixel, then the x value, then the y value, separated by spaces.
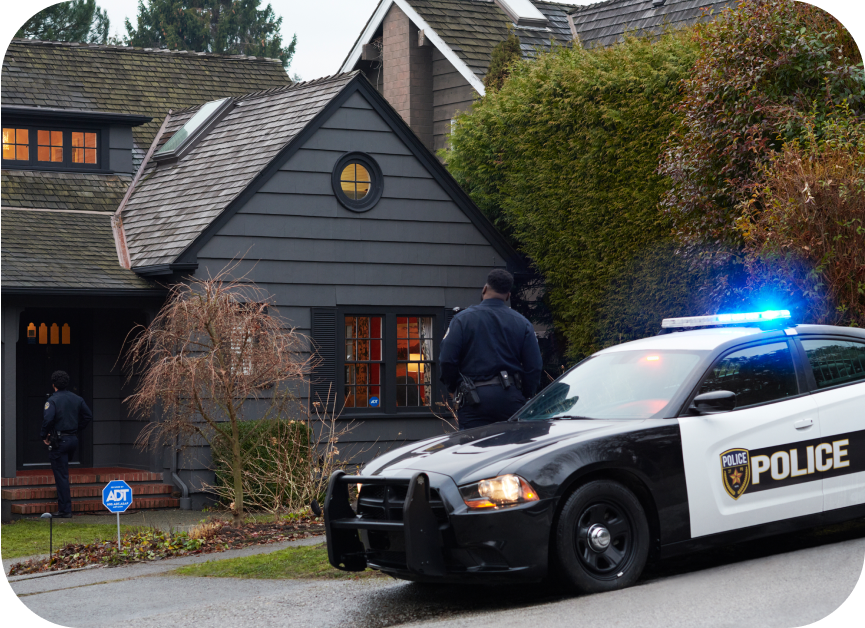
pixel 787 581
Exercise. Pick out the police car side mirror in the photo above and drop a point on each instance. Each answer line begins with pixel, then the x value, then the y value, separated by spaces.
pixel 714 402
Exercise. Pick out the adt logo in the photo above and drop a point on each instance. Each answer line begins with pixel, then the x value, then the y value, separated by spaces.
pixel 374 402
pixel 117 496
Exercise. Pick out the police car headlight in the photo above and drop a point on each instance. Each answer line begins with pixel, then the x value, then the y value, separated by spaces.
pixel 498 492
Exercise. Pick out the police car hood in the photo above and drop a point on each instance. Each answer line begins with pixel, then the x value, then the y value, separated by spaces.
pixel 484 451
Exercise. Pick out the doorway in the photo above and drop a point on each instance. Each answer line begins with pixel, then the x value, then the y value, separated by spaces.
pixel 50 340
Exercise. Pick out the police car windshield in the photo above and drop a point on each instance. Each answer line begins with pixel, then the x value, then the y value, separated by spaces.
pixel 618 385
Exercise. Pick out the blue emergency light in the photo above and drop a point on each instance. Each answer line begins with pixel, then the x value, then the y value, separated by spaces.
pixel 726 319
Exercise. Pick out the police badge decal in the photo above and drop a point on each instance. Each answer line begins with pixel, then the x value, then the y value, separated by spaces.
pixel 736 471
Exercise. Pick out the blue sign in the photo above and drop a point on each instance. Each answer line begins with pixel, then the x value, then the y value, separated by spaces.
pixel 117 496
pixel 373 402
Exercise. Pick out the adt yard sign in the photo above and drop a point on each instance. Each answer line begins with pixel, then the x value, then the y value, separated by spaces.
pixel 117 496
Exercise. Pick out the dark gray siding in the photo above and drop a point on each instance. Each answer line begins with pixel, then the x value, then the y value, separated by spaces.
pixel 416 247
pixel 451 93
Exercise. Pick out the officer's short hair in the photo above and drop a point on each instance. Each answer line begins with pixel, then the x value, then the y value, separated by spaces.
pixel 60 380
pixel 500 281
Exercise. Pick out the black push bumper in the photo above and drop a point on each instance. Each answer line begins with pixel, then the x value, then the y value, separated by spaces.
pixel 423 541
pixel 417 527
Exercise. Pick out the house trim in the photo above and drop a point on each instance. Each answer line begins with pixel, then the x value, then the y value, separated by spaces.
pixel 403 132
pixel 376 20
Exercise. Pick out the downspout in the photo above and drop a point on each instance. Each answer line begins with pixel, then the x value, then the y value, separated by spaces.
pixel 185 501
pixel 117 217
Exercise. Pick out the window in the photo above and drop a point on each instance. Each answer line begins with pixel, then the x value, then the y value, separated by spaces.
pixel 835 362
pixel 414 353
pixel 194 128
pixel 16 144
pixel 54 334
pixel 756 375
pixel 51 149
pixel 357 181
pixel 363 361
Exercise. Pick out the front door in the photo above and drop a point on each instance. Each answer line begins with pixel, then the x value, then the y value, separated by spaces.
pixel 48 341
pixel 754 464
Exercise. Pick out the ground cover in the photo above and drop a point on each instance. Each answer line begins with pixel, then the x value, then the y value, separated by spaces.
pixel 26 537
pixel 145 544
pixel 308 562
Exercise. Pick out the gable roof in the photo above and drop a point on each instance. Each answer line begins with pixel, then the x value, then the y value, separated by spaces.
pixel 123 79
pixel 605 23
pixel 177 207
pixel 466 31
pixel 42 252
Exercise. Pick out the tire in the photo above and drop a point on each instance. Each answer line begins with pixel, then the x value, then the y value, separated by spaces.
pixel 583 559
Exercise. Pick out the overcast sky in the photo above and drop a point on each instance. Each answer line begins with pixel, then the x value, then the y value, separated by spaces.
pixel 325 29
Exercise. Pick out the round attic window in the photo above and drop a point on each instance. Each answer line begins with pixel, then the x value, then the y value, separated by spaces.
pixel 357 181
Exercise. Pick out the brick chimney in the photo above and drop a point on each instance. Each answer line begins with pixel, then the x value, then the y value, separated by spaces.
pixel 408 74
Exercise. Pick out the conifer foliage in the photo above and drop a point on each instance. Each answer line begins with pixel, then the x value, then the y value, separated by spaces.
pixel 504 55
pixel 220 26
pixel 78 20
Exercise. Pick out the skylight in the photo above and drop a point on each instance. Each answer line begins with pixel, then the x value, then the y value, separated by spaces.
pixel 523 12
pixel 188 130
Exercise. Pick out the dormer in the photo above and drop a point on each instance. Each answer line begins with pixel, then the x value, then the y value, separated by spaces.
pixel 68 140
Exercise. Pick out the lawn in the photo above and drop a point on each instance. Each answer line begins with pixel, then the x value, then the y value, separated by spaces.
pixel 26 538
pixel 294 562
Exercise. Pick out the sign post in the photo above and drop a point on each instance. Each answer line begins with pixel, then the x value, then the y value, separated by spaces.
pixel 117 497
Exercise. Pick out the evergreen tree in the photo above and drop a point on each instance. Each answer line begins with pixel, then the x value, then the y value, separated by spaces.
pixel 504 55
pixel 219 26
pixel 78 20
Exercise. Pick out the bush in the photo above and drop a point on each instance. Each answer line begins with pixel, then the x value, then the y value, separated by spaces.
pixel 563 159
pixel 805 226
pixel 503 56
pixel 762 66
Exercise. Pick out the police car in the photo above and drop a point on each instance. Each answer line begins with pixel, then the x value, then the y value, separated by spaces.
pixel 720 429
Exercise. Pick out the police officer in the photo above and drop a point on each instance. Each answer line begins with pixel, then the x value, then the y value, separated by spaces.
pixel 494 350
pixel 65 415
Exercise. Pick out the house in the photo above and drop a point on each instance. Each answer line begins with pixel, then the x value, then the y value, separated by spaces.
pixel 429 57
pixel 77 120
pixel 334 205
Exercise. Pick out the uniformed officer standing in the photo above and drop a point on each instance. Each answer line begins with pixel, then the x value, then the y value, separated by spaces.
pixel 66 415
pixel 490 354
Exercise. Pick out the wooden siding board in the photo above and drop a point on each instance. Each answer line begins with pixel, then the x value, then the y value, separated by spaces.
pixel 328 206
pixel 366 119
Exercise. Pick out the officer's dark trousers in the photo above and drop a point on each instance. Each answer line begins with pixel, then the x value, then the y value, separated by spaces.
pixel 496 405
pixel 59 457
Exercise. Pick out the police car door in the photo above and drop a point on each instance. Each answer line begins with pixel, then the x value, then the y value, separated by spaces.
pixel 838 368
pixel 742 468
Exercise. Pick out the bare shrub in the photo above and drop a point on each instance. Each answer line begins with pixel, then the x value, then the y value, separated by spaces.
pixel 213 358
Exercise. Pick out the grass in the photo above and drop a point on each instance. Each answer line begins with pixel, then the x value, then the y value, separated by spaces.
pixel 26 538
pixel 309 562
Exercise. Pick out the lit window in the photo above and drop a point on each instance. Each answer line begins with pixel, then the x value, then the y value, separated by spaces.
pixel 414 361
pixel 31 334
pixel 16 144
pixel 355 181
pixel 55 334
pixel 50 145
pixel 65 334
pixel 83 148
pixel 363 361
pixel 43 334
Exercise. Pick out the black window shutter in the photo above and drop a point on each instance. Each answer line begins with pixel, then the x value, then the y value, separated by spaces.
pixel 324 337
pixel 449 316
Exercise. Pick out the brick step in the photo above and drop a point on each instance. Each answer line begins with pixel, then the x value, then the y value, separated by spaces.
pixel 82 476
pixel 36 508
pixel 50 492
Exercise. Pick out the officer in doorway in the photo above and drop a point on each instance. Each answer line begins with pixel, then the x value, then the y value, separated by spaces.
pixel 490 358
pixel 65 416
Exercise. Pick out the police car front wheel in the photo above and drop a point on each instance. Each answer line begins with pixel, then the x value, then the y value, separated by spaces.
pixel 602 537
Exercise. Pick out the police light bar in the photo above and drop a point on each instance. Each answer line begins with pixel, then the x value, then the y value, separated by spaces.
pixel 725 319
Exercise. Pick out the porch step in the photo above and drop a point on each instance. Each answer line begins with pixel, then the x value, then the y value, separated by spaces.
pixel 94 505
pixel 102 475
pixel 77 491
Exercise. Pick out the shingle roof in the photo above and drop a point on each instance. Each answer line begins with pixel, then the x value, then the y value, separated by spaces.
pixel 47 250
pixel 472 28
pixel 174 203
pixel 122 79
pixel 605 23
pixel 63 190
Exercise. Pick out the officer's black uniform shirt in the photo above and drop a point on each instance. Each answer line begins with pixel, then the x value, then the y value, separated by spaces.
pixel 65 412
pixel 486 339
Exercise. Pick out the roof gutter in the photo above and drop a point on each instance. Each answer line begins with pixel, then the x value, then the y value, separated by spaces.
pixel 117 217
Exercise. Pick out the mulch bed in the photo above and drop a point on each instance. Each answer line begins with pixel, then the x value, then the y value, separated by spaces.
pixel 151 544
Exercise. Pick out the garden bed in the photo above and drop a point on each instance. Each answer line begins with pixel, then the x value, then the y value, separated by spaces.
pixel 152 544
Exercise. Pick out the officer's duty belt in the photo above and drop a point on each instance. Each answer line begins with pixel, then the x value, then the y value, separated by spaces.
pixel 516 379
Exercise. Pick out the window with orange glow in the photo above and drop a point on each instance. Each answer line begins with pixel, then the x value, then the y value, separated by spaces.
pixel 16 144
pixel 50 146
pixel 46 334
pixel 363 361
pixel 414 372
pixel 83 148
